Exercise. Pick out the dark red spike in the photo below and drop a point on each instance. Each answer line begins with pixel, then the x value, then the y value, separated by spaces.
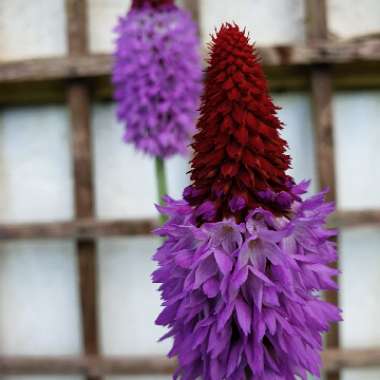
pixel 152 3
pixel 238 151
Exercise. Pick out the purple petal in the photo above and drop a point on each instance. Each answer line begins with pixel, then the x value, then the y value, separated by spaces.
pixel 224 261
pixel 244 315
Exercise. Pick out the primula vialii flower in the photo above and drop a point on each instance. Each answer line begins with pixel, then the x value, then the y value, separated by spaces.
pixel 157 77
pixel 245 255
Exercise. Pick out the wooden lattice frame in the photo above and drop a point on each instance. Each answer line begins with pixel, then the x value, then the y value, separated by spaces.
pixel 319 66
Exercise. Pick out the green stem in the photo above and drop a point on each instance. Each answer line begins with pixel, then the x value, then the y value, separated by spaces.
pixel 161 183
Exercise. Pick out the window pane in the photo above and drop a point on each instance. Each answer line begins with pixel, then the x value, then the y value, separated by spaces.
pixel 357 130
pixel 38 299
pixel 256 15
pixel 35 170
pixel 269 21
pixel 361 374
pixel 350 18
pixel 30 29
pixel 129 302
pixel 124 178
pixel 295 113
pixel 103 15
pixel 360 287
pixel 177 177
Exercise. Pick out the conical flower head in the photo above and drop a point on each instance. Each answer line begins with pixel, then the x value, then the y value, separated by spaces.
pixel 245 253
pixel 157 77
pixel 240 160
pixel 240 299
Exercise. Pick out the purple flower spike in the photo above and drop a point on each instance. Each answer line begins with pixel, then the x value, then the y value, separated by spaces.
pixel 240 300
pixel 245 254
pixel 157 77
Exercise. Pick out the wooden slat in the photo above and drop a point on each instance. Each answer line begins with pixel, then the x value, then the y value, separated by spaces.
pixel 78 98
pixel 95 65
pixel 76 26
pixel 87 365
pixel 317 29
pixel 83 229
pixel 281 78
pixel 40 81
pixel 362 218
pixel 321 89
pixel 79 104
pixel 71 67
pixel 333 360
pixel 322 97
pixel 193 7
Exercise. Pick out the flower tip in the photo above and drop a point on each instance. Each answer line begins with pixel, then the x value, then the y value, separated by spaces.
pixel 162 207
pixel 238 150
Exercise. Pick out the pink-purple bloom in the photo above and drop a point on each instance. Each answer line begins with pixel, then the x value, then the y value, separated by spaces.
pixel 157 77
pixel 245 254
pixel 241 299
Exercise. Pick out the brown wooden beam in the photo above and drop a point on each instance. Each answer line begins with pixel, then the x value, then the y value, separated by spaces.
pixel 281 78
pixel 81 229
pixel 322 93
pixel 193 7
pixel 79 105
pixel 86 365
pixel 316 18
pixel 76 16
pixel 86 65
pixel 360 218
pixel 85 229
pixel 333 360
pixel 42 69
pixel 322 99
pixel 78 98
pixel 337 359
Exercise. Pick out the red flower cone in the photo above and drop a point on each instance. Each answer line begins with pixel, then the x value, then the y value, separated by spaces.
pixel 240 158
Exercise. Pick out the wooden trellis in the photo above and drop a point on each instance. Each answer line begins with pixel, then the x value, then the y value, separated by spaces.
pixel 319 65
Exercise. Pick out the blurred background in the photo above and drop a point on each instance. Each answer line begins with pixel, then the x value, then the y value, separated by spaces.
pixel 69 288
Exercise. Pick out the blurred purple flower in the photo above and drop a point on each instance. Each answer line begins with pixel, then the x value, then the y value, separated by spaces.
pixel 157 77
pixel 241 299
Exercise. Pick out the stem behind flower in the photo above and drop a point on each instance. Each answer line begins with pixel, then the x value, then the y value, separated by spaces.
pixel 161 183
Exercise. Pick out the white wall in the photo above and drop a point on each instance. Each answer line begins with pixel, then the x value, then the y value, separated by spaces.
pixel 253 14
pixel 129 301
pixel 358 157
pixel 357 142
pixel 352 18
pixel 38 29
pixel 102 19
pixel 256 16
pixel 124 178
pixel 38 279
pixel 298 131
pixel 30 29
pixel 35 165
